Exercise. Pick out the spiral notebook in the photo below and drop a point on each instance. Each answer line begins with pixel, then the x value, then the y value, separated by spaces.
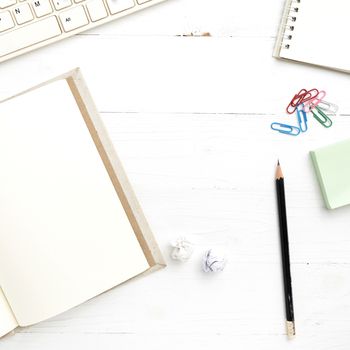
pixel 315 32
pixel 71 227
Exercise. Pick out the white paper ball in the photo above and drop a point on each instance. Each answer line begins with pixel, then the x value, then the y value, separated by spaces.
pixel 182 249
pixel 213 261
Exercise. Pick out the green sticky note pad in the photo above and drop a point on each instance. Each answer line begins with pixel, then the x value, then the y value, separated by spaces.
pixel 332 166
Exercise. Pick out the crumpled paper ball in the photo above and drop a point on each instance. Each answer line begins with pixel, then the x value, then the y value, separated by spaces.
pixel 213 261
pixel 183 249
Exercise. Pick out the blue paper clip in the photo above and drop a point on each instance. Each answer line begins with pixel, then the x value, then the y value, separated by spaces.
pixel 322 118
pixel 302 118
pixel 285 129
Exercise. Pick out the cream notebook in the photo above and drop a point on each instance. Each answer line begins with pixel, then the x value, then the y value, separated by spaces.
pixel 315 32
pixel 70 226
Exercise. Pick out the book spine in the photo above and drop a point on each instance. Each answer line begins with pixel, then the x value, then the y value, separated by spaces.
pixel 287 26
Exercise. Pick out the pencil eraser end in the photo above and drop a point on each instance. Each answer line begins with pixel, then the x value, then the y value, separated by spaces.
pixel 290 329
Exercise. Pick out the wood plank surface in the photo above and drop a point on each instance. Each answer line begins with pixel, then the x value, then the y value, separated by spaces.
pixel 190 119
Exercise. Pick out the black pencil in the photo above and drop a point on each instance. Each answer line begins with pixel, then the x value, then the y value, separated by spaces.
pixel 282 216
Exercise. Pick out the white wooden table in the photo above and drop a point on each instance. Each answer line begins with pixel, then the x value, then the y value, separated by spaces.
pixel 190 118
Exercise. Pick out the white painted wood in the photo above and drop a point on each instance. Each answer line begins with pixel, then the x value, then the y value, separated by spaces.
pixel 190 118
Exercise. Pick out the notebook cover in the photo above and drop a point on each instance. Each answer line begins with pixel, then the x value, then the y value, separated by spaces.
pixel 113 166
pixel 332 167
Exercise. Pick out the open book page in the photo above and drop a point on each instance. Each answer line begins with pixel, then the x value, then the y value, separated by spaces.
pixel 64 234
pixel 7 319
pixel 320 34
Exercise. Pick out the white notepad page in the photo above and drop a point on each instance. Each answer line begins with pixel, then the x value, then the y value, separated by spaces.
pixel 8 321
pixel 321 34
pixel 64 235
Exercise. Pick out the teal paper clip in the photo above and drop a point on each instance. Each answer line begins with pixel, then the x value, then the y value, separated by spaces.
pixel 285 129
pixel 302 118
pixel 322 118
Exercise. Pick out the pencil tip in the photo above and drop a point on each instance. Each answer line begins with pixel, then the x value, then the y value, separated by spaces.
pixel 279 173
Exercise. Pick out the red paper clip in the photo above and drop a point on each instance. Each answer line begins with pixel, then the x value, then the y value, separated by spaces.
pixel 296 100
pixel 310 95
pixel 301 97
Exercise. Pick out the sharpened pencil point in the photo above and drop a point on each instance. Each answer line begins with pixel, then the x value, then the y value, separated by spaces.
pixel 278 162
pixel 279 174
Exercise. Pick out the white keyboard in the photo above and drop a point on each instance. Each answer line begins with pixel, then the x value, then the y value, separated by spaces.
pixel 28 25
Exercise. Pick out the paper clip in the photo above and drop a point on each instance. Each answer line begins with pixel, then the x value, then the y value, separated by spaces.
pixel 310 95
pixel 328 107
pixel 301 97
pixel 285 129
pixel 302 118
pixel 296 100
pixel 298 97
pixel 315 101
pixel 321 117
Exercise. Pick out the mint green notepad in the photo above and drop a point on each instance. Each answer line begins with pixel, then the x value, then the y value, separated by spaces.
pixel 332 166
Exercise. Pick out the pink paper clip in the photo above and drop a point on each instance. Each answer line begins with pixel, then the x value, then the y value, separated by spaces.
pixel 314 102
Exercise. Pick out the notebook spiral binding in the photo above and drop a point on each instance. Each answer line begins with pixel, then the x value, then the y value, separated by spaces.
pixel 289 20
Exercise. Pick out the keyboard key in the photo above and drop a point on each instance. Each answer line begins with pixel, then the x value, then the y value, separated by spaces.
pixel 23 14
pixel 73 19
pixel 29 35
pixel 6 3
pixel 96 10
pixel 116 6
pixel 61 4
pixel 140 2
pixel 6 21
pixel 41 7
